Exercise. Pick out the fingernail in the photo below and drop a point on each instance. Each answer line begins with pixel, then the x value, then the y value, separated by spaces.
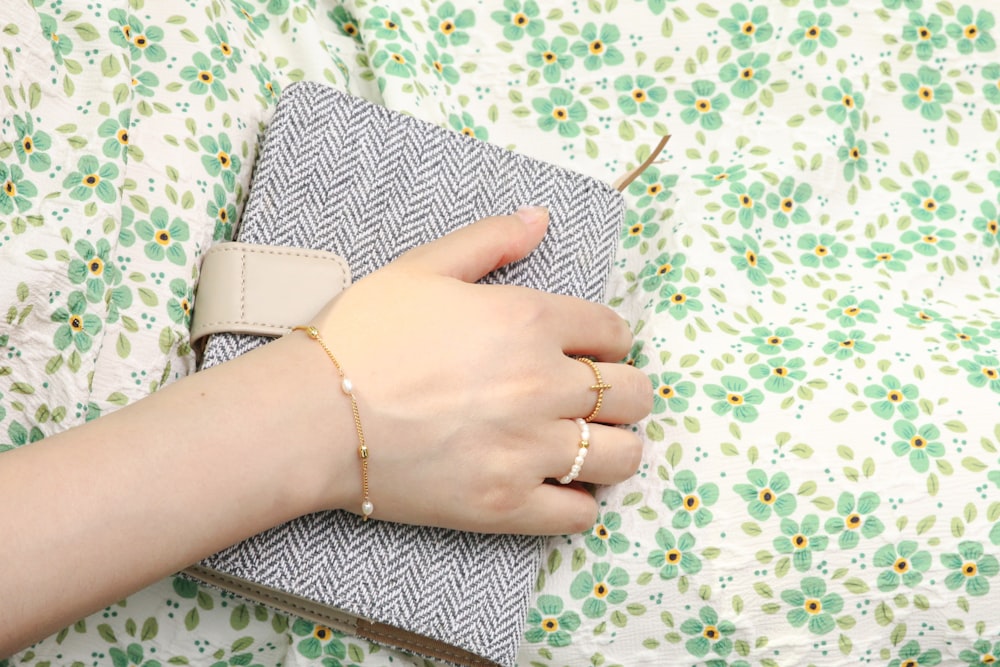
pixel 532 215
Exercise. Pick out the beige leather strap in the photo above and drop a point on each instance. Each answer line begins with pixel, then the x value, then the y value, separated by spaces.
pixel 264 290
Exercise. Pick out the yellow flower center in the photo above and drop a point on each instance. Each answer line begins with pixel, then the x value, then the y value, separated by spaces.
pixel 926 93
pixel 918 442
pixel 679 298
pixel 664 269
pixel 672 556
pixel 550 624
pixel 901 565
pixel 597 47
pixel 734 399
pixel 855 153
pixel 787 204
pixel 438 66
pixel 894 396
pixel 703 105
pixel 710 632
pixel 963 336
pixel 748 28
pixel 853 521
pixel 774 340
pixel 322 632
pixel 993 226
pixel 666 391
pixel 468 131
pixel 639 95
pixel 28 145
pixel 96 266
pixel 205 76
pixel 654 189
pixel 847 343
pixel 55 37
pixel 852 311
pixel 821 250
pixel 813 32
pixel 751 257
pixel 971 31
pixel 560 114
pixel 924 34
pixel 747 73
pixel 991 373
pixel 721 177
pixel 223 215
pixel 10 188
pixel 601 590
pixel 924 316
pixel 930 238
pixel 988 659
pixel 520 20
pixel 767 496
pixel 127 31
pixel 549 57
pixel 813 606
pixel 399 58
pixel 970 569
pixel 780 371
pixel 909 663
pixel 140 41
pixel 162 237
pixel 884 257
pixel 223 158
pixel 122 136
pixel 800 541
pixel 746 201
pixel 601 531
pixel 91 180
pixel 691 502
pixel 135 81
pixel 447 27
pixel 848 101
pixel 350 29
pixel 390 25
pixel 226 49
pixel 76 323
pixel 929 204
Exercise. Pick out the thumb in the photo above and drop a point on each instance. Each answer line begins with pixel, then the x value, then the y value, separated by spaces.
pixel 473 251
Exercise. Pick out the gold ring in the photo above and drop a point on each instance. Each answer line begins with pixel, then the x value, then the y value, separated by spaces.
pixel 581 453
pixel 600 387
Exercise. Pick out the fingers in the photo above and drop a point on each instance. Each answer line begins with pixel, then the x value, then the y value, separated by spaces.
pixel 613 453
pixel 628 399
pixel 471 252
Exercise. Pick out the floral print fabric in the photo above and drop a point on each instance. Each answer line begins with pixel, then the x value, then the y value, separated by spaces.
pixel 810 268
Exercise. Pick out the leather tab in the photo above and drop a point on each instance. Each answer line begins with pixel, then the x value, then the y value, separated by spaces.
pixel 264 290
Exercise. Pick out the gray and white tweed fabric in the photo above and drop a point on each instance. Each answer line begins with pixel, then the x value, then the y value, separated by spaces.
pixel 341 174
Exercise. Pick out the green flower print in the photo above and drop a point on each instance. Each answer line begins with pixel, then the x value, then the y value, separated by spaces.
pixel 665 268
pixel 223 211
pixel 442 63
pixel 640 95
pixel 548 623
pixel 747 201
pixel 318 641
pixel 917 316
pixel 467 126
pixel 635 356
pixel 597 47
pixel 220 160
pixel 748 259
pixel 31 144
pixel 850 311
pixel 164 237
pixel 988 224
pixel 972 567
pixel 746 28
pixel 765 495
pixel 747 74
pixel 560 112
pixel 992 88
pixel 702 105
pixel 716 175
pixel 348 24
pixel 928 203
pixel 675 555
pixel 821 250
pixel 637 228
pixel 600 587
pixel 927 33
pixel 896 4
pixel 132 656
pixel 385 24
pixel 651 187
pixel 62 45
pixel 856 519
pixel 801 541
pixel 852 153
pixel 788 202
pixel 552 57
pixel 847 103
pixel 885 254
pixel 917 443
pixel 93 269
pixel 679 301
pixel 926 239
pixel 18 435
pixel 690 500
pixel 605 535
pixel 812 606
pixel 15 190
pixel 268 86
pixel 450 28
pixel 144 84
pixel 971 33
pixel 258 22
pixel 115 133
pixel 179 306
pixel 222 49
pixel 397 59
pixel 781 375
pixel 982 653
pixel 732 396
pixel 709 634
pixel 143 42
pixel 891 396
pixel 78 327
pixel 519 19
pixel 669 393
pixel 205 76
pixel 844 345
pixel 812 32
pixel 774 341
pixel 968 337
pixel 904 564
pixel 983 371
pixel 910 655
pixel 925 92
pixel 92 178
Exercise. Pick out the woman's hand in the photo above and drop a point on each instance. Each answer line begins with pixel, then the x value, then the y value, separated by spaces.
pixel 466 392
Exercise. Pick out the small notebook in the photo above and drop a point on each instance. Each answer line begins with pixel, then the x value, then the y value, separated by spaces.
pixel 340 174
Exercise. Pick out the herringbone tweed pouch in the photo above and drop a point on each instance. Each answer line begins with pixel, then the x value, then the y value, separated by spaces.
pixel 338 173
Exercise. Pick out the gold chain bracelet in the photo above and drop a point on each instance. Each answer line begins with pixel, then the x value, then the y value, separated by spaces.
pixel 348 388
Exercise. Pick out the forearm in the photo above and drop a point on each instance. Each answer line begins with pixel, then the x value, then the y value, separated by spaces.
pixel 104 509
